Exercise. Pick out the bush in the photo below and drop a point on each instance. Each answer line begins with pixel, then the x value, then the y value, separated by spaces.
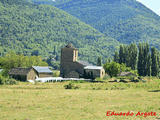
pixel 1 80
pixel 112 69
pixel 71 86
pixel 7 81
pixel 56 73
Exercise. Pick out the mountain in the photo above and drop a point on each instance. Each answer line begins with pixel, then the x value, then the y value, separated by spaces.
pixel 125 20
pixel 43 30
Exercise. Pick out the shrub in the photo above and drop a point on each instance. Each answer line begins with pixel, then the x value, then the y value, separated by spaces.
pixel 7 80
pixel 112 69
pixel 56 73
pixel 71 86
pixel 1 79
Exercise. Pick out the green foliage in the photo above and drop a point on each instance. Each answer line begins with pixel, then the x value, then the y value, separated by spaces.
pixel 56 73
pixel 13 60
pixel 148 61
pixel 71 86
pixel 7 80
pixel 125 20
pixel 1 80
pixel 53 61
pixel 113 68
pixel 144 60
pixel 43 30
pixel 122 54
pixel 155 61
pixel 99 61
pixel 116 57
pixel 127 55
pixel 132 56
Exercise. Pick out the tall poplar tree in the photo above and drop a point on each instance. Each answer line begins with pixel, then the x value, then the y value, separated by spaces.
pixel 147 60
pixel 116 57
pixel 140 60
pixel 132 56
pixel 122 54
pixel 155 61
pixel 144 60
pixel 99 61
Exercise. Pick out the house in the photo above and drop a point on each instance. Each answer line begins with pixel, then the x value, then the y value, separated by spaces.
pixel 25 74
pixel 43 72
pixel 94 71
pixel 71 67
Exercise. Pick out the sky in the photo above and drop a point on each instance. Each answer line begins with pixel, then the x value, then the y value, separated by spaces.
pixel 154 5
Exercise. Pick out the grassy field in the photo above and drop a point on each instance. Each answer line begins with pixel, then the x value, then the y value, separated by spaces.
pixel 51 101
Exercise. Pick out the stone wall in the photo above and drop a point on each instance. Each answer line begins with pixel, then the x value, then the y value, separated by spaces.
pixel 94 73
pixel 43 75
pixel 67 67
pixel 31 75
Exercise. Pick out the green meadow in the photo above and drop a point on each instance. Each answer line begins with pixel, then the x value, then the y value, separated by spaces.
pixel 90 101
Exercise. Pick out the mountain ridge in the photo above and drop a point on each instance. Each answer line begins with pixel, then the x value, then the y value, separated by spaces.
pixel 127 21
pixel 38 29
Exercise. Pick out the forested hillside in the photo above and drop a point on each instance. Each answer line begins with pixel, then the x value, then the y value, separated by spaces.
pixel 125 20
pixel 42 30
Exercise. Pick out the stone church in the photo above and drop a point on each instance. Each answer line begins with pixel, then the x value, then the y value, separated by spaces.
pixel 71 67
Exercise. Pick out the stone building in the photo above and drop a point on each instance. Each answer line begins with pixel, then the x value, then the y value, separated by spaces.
pixel 70 67
pixel 42 72
pixel 25 74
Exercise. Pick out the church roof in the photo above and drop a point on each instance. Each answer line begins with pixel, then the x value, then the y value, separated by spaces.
pixel 19 71
pixel 41 69
pixel 84 63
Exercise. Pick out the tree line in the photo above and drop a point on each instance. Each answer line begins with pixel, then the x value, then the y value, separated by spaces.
pixel 141 57
pixel 12 60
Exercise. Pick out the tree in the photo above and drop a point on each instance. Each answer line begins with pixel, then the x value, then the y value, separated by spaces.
pixel 113 68
pixel 147 60
pixel 132 56
pixel 122 54
pixel 144 60
pixel 12 60
pixel 127 55
pixel 149 63
pixel 55 50
pixel 35 53
pixel 99 61
pixel 116 57
pixel 140 60
pixel 155 61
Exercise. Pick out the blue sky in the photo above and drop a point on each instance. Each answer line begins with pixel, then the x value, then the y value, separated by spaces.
pixel 154 5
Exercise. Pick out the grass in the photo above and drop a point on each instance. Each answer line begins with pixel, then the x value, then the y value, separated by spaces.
pixel 51 101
